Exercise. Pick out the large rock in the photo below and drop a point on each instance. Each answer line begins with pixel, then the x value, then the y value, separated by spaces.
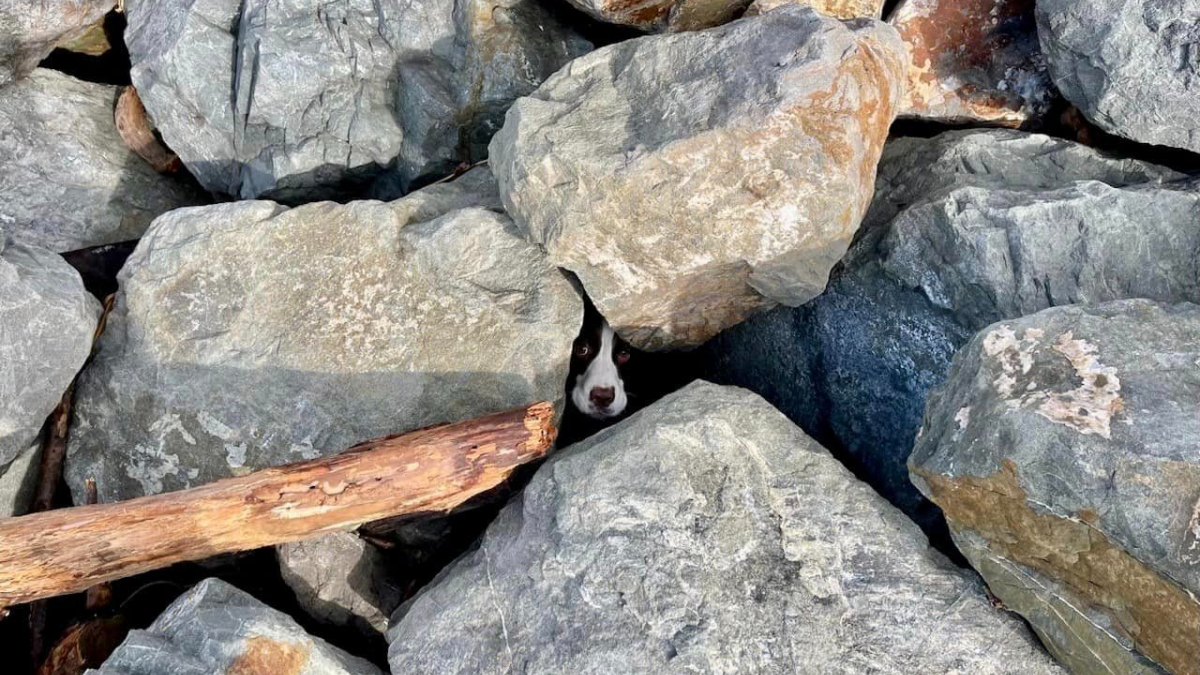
pixel 705 534
pixel 974 61
pixel 279 99
pixel 216 629
pixel 693 180
pixel 29 31
pixel 68 180
pixel 1063 449
pixel 341 580
pixel 966 229
pixel 247 334
pixel 1130 67
pixel 46 325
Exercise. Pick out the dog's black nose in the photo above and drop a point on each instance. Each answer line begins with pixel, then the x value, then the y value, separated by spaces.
pixel 602 397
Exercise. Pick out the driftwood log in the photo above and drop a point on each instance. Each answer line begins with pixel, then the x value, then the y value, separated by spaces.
pixel 427 471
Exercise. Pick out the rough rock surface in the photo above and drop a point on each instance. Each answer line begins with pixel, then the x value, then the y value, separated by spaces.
pixel 967 228
pixel 1130 67
pixel 841 9
pixel 67 179
pixel 29 31
pixel 974 61
pixel 46 325
pixel 468 62
pixel 18 481
pixel 247 334
pixel 341 580
pixel 692 180
pixel 1063 451
pixel 277 99
pixel 705 534
pixel 216 628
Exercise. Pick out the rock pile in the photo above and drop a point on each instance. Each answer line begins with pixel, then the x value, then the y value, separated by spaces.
pixel 328 222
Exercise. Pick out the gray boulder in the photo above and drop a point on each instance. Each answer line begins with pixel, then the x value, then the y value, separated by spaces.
pixel 340 579
pixel 46 325
pixel 462 66
pixel 705 534
pixel 217 629
pixel 692 180
pixel 249 334
pixel 1062 448
pixel 68 180
pixel 274 98
pixel 1130 67
pixel 966 229
pixel 29 31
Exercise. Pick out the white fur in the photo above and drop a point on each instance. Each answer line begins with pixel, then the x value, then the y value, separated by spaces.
pixel 601 372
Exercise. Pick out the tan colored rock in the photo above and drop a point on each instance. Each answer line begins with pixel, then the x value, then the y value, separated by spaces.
pixel 693 180
pixel 29 31
pixel 841 9
pixel 974 61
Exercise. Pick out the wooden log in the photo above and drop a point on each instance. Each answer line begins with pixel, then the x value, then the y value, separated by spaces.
pixel 427 471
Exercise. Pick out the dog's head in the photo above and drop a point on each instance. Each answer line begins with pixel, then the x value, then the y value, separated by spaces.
pixel 597 381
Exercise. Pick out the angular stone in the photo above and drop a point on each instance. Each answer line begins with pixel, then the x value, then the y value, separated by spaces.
pixel 216 628
pixel 29 31
pixel 46 325
pixel 341 580
pixel 271 98
pixel 967 228
pixel 68 180
pixel 1130 67
pixel 705 534
pixel 974 61
pixel 465 68
pixel 841 9
pixel 693 180
pixel 249 334
pixel 1062 448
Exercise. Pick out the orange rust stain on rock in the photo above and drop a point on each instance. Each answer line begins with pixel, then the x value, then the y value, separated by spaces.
pixel 1160 618
pixel 841 9
pixel 264 656
pixel 948 38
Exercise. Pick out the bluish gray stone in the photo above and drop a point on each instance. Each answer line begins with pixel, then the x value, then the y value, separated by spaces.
pixel 216 628
pixel 705 534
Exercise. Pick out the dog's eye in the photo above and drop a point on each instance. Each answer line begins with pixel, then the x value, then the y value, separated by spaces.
pixel 623 356
pixel 582 349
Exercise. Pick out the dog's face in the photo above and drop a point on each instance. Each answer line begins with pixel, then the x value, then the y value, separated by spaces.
pixel 597 385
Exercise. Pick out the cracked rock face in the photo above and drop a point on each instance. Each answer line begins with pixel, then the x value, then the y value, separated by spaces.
pixel 974 61
pixel 1063 450
pixel 67 179
pixel 46 325
pixel 29 31
pixel 341 580
pixel 269 98
pixel 967 228
pixel 1130 67
pixel 705 534
pixel 693 180
pixel 249 334
pixel 216 628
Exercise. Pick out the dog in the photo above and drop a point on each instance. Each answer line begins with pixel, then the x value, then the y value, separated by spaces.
pixel 598 359
pixel 610 379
